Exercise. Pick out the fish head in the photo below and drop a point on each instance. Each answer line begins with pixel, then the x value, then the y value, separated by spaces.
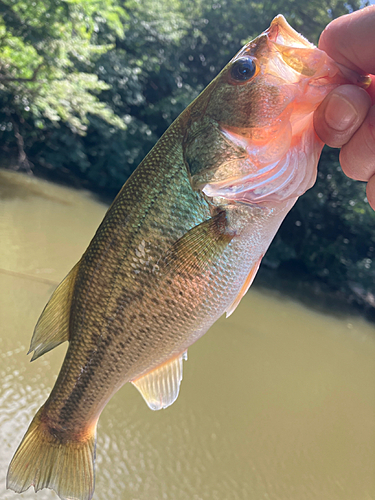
pixel 251 137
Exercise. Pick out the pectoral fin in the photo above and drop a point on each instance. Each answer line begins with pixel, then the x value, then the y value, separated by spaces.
pixel 244 288
pixel 160 387
pixel 52 328
pixel 200 246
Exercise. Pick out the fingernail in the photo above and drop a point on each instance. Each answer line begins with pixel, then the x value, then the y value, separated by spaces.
pixel 340 114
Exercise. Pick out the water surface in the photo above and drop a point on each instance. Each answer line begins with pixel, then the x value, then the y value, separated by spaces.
pixel 277 402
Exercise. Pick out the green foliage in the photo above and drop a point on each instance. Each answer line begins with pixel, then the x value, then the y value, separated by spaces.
pixel 52 102
pixel 42 43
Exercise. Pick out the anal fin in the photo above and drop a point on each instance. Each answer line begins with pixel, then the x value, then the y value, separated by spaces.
pixel 160 387
pixel 244 288
pixel 52 328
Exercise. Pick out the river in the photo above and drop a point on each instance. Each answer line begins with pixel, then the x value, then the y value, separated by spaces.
pixel 277 402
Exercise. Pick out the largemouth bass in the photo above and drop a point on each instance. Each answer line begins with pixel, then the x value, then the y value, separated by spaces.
pixel 179 247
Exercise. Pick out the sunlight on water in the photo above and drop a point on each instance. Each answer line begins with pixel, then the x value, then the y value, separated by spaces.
pixel 277 402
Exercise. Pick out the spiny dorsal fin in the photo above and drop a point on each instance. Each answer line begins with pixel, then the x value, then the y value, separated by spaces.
pixel 244 288
pixel 160 387
pixel 52 328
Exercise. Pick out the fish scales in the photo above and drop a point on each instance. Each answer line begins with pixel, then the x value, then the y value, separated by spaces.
pixel 179 247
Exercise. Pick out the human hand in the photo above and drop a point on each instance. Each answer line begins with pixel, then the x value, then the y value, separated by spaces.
pixel 346 117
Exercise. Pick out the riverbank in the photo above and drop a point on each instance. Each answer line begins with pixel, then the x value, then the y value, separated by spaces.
pixel 316 294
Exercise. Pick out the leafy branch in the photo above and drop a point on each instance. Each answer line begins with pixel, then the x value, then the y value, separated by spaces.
pixel 32 79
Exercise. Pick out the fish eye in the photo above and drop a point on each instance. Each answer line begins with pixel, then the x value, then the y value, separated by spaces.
pixel 243 69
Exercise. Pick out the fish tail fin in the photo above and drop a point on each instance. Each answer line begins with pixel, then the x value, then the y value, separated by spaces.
pixel 43 460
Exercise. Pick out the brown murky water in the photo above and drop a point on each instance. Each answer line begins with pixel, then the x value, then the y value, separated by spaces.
pixel 277 402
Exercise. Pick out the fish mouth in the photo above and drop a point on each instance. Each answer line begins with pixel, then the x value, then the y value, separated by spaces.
pixel 280 32
pixel 291 58
pixel 307 60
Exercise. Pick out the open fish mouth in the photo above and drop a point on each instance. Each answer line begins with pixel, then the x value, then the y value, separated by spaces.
pixel 304 57
pixel 281 32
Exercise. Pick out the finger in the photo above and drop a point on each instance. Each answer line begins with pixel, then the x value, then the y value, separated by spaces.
pixel 370 191
pixel 350 40
pixel 341 114
pixel 357 157
pixel 371 89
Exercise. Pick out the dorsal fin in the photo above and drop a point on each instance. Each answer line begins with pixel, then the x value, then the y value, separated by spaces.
pixel 244 288
pixel 52 328
pixel 160 387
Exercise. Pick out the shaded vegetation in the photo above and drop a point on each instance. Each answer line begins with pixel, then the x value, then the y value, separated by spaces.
pixel 88 86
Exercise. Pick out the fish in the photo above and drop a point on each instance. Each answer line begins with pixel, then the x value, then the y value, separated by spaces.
pixel 179 247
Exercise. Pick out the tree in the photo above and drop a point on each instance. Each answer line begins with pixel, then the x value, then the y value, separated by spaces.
pixel 41 45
